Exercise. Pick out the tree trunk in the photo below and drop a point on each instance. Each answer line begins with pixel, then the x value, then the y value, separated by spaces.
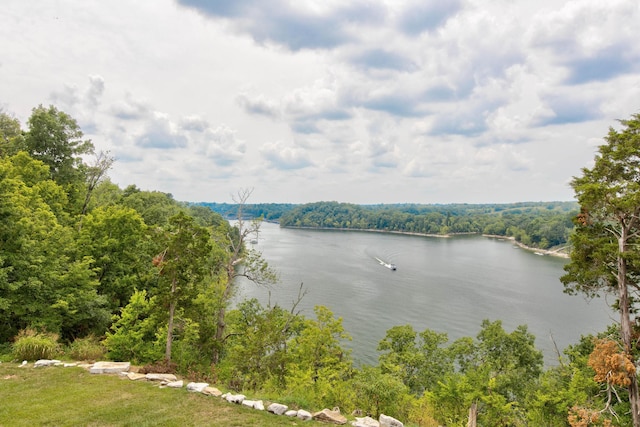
pixel 473 415
pixel 625 324
pixel 221 325
pixel 172 310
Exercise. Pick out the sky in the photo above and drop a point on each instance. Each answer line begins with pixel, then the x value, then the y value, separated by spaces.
pixel 430 101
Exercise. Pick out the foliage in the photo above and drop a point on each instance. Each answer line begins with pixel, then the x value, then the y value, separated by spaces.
pixel 379 393
pixel 605 258
pixel 33 345
pixel 132 336
pixel 88 348
pixel 541 225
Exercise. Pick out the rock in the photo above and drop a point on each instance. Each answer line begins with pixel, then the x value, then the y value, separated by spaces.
pixel 134 376
pixel 161 377
pixel 109 367
pixel 70 365
pixel 211 391
pixel 304 415
pixel 387 421
pixel 248 403
pixel 197 387
pixel 258 405
pixel 365 422
pixel 175 384
pixel 291 413
pixel 235 398
pixel 329 416
pixel 277 408
pixel 46 362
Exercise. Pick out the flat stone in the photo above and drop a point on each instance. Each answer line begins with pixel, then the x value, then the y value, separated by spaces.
pixel 258 405
pixel 248 403
pixel 291 413
pixel 175 384
pixel 46 362
pixel 387 421
pixel 304 415
pixel 365 422
pixel 235 398
pixel 277 408
pixel 70 365
pixel 134 376
pixel 212 391
pixel 109 367
pixel 329 416
pixel 197 387
pixel 161 377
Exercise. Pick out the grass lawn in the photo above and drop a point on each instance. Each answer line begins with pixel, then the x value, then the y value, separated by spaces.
pixel 58 396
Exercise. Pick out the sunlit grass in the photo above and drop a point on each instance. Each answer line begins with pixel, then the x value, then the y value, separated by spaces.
pixel 58 396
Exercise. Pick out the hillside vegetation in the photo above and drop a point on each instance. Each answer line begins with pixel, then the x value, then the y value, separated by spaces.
pixel 89 268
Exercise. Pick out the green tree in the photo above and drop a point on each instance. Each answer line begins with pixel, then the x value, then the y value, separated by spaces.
pixel 380 393
pixel 419 361
pixel 116 239
pixel 44 281
pixel 497 371
pixel 318 361
pixel 238 262
pixel 55 138
pixel 11 139
pixel 605 258
pixel 133 333
pixel 181 266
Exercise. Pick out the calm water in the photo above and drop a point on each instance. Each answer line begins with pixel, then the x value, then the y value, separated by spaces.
pixel 447 285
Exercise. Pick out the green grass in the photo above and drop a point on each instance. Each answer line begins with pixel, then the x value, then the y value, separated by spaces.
pixel 58 396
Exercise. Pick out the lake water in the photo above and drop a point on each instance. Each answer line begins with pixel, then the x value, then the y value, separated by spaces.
pixel 444 284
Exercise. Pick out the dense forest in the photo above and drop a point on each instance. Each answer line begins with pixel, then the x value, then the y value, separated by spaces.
pixel 536 224
pixel 94 270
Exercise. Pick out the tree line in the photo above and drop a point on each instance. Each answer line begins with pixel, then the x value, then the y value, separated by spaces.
pixel 151 280
pixel 540 224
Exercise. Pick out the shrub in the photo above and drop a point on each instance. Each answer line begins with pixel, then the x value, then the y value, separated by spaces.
pixel 33 345
pixel 89 349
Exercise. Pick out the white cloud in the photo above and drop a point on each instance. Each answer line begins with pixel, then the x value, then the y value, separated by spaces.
pixel 315 100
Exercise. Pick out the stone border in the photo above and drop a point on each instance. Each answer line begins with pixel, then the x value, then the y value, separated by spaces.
pixel 332 416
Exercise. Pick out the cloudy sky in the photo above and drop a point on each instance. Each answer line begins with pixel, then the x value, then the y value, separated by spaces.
pixel 427 101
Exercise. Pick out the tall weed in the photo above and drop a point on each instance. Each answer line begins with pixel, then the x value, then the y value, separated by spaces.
pixel 89 349
pixel 33 345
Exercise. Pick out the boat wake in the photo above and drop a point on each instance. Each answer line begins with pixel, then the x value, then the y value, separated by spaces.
pixel 389 265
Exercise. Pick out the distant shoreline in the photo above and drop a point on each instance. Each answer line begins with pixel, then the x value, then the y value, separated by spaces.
pixel 553 252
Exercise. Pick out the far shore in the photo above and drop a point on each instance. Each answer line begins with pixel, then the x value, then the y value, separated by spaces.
pixel 552 252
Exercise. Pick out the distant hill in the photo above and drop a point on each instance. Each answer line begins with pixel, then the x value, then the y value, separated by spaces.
pixel 536 224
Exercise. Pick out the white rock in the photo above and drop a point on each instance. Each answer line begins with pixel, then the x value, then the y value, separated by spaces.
pixel 134 376
pixel 365 422
pixel 109 367
pixel 291 413
pixel 277 408
pixel 248 403
pixel 175 384
pixel 304 415
pixel 387 421
pixel 211 391
pixel 161 377
pixel 198 387
pixel 259 405
pixel 235 398
pixel 46 362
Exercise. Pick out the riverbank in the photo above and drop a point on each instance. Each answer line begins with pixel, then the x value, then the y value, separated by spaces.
pixel 557 252
pixel 560 251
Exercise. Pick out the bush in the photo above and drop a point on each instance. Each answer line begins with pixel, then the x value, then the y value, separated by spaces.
pixel 89 349
pixel 33 345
